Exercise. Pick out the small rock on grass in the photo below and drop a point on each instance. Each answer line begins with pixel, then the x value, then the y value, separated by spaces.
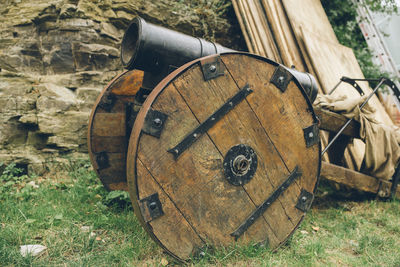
pixel 34 250
pixel 92 235
pixel 33 184
pixel 85 229
pixel 164 262
pixel 315 228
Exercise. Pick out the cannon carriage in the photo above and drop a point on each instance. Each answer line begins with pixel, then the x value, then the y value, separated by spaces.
pixel 214 146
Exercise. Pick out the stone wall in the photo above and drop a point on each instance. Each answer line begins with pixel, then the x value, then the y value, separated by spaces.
pixel 57 55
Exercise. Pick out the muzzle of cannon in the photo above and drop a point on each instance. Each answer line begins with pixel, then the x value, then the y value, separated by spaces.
pixel 157 51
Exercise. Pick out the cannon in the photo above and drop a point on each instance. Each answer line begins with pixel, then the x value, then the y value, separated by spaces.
pixel 195 117
pixel 149 53
pixel 157 51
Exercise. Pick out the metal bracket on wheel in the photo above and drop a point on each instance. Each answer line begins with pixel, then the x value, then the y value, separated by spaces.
pixel 305 200
pixel 154 123
pixel 212 68
pixel 151 207
pixel 281 78
pixel 311 135
pixel 107 101
pixel 102 160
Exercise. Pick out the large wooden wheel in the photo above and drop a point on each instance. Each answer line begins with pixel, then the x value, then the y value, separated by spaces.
pixel 108 131
pixel 224 150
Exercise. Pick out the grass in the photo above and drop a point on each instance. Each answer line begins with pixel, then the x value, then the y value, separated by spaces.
pixel 83 225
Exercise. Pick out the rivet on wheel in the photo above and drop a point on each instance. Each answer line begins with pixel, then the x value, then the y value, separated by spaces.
pixel 212 68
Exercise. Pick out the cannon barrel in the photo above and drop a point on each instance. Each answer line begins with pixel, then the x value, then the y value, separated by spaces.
pixel 307 81
pixel 152 48
pixel 157 51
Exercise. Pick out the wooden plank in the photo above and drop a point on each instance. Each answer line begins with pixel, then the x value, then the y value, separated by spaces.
pixel 112 144
pixel 243 25
pixel 186 240
pixel 258 47
pixel 116 170
pixel 129 85
pixel 331 61
pixel 356 180
pixel 332 122
pixel 109 124
pixel 264 30
pixel 309 14
pixel 283 34
pixel 255 28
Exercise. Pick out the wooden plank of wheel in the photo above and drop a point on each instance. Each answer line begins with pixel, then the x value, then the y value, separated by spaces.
pixel 225 150
pixel 108 132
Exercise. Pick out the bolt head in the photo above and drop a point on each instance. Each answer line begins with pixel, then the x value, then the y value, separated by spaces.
pixel 153 205
pixel 281 80
pixel 157 122
pixel 212 68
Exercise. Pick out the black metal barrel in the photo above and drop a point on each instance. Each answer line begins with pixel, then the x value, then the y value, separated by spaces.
pixel 158 51
pixel 152 48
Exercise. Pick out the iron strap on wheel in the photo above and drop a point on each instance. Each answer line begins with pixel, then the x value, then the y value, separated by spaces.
pixel 267 203
pixel 210 122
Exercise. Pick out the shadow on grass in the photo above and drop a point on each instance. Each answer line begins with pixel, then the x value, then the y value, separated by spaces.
pixel 330 195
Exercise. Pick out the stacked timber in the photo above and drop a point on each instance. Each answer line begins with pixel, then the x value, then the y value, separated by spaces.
pixel 301 34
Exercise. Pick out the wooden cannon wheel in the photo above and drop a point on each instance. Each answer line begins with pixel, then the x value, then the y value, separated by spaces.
pixel 108 130
pixel 224 150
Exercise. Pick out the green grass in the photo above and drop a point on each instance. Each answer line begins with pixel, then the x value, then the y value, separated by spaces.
pixel 334 233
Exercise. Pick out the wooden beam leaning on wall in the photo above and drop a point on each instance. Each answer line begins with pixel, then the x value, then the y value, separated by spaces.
pixel 256 29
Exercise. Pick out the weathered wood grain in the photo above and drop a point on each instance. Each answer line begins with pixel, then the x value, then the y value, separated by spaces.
pixel 109 124
pixel 242 23
pixel 356 180
pixel 112 144
pixel 281 114
pixel 107 130
pixel 255 28
pixel 186 241
pixel 241 126
pixel 308 14
pixel 332 122
pixel 195 181
pixel 129 85
pixel 116 170
pixel 283 34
